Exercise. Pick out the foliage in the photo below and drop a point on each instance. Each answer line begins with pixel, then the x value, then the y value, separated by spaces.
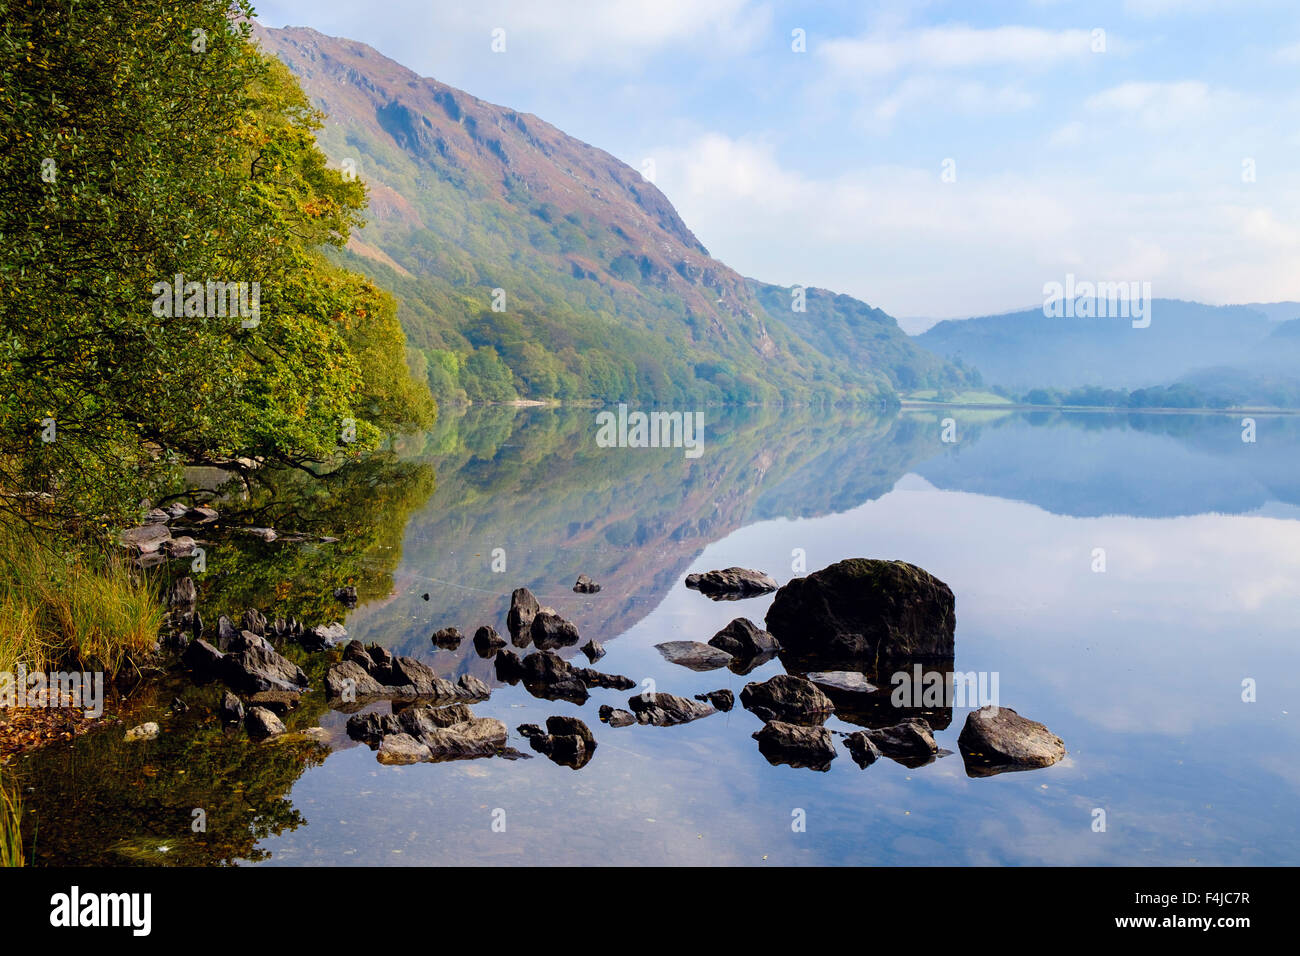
pixel 142 142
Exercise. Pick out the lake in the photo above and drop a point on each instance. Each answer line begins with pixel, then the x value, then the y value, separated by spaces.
pixel 1130 579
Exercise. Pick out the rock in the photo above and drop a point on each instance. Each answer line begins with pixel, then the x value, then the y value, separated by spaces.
pixel 448 638
pixel 278 702
pixel 910 742
pixel 146 539
pixel 179 706
pixel 487 641
pixel 175 510
pixel 861 748
pixel 202 659
pixel 354 680
pixel 743 638
pixel 323 636
pixel 731 584
pixel 600 679
pixel 693 655
pixel 347 596
pixel 864 612
pixel 519 619
pixel 997 740
pixel 199 515
pixel 184 595
pixel 594 650
pixel 252 665
pixel 373 727
pixel 232 709
pixel 616 717
pixel 180 547
pixel 157 516
pixel 476 737
pixel 843 682
pixel 262 723
pixel 787 698
pixel 399 749
pixel 548 676
pixel 226 632
pixel 796 745
pixel 143 732
pixel 585 585
pixel 665 710
pixel 508 666
pixel 567 741
pixel 425 595
pixel 266 535
pixel 421 719
pixel 722 700
pixel 254 621
pixel 550 631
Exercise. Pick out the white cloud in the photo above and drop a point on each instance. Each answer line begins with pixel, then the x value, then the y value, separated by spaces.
pixel 954 47
pixel 1159 105
pixel 903 240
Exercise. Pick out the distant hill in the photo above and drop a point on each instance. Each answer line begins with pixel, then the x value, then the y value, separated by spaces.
pixel 1026 350
pixel 605 291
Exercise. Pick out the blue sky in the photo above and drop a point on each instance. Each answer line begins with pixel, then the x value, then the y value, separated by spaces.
pixel 1127 155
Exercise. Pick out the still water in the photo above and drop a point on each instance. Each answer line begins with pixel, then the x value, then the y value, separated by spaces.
pixel 1141 668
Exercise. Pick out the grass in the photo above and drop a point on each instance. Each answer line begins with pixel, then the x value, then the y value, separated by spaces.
pixel 11 838
pixel 83 610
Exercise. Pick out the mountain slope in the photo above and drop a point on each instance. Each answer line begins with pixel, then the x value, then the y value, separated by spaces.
pixel 604 291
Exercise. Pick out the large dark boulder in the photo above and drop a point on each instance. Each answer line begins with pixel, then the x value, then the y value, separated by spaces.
pixel 997 740
pixel 567 741
pixel 863 612
pixel 550 631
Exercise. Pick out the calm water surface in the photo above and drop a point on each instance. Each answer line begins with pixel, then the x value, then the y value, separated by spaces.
pixel 1139 668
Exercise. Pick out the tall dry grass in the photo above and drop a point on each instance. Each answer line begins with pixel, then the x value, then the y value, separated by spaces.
pixel 72 609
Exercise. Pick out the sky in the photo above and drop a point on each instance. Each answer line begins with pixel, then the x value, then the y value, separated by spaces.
pixel 933 159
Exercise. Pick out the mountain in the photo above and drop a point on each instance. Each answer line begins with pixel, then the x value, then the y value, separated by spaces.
pixel 602 291
pixel 1026 350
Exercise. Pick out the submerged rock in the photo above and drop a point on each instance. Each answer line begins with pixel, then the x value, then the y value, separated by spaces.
pixel 400 749
pixel 347 596
pixel 143 732
pixel 787 698
pixel 731 584
pixel 997 740
pixel 743 638
pixel 796 745
pixel 863 611
pixel 519 619
pixel 693 655
pixel 585 585
pixel 279 702
pixel 665 710
pixel 262 723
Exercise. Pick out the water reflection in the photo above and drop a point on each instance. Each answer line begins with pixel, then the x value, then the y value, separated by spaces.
pixel 1138 669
